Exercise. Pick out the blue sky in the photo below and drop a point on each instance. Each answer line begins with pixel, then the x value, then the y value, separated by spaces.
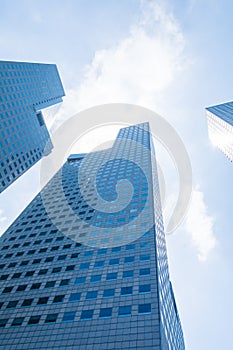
pixel 175 58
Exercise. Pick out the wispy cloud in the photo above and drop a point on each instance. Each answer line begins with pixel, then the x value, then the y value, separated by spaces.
pixel 137 70
pixel 199 225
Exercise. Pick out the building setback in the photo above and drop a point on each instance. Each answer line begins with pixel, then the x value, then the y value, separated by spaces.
pixel 220 127
pixel 99 281
pixel 25 89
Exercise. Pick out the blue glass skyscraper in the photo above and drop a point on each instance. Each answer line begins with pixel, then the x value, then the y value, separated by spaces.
pixel 25 89
pixel 81 269
pixel 220 127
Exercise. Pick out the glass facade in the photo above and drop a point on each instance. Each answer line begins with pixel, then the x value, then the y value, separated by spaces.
pixel 220 127
pixel 102 283
pixel 25 89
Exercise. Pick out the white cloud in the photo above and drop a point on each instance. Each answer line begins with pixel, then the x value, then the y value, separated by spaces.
pixel 137 70
pixel 200 225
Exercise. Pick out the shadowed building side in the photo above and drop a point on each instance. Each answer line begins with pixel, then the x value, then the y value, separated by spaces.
pixel 25 89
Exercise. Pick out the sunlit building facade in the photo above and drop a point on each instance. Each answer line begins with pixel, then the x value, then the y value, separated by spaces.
pixel 78 273
pixel 220 127
pixel 25 89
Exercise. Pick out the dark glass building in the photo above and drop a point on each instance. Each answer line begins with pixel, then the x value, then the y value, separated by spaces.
pixel 220 127
pixel 25 89
pixel 85 265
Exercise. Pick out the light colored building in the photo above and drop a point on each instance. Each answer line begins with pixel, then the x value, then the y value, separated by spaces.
pixel 220 127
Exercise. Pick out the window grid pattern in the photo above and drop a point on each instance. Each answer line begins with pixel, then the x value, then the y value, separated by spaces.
pixel 108 296
pixel 25 88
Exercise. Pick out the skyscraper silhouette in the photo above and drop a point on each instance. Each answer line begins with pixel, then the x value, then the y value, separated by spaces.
pixel 25 89
pixel 85 265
